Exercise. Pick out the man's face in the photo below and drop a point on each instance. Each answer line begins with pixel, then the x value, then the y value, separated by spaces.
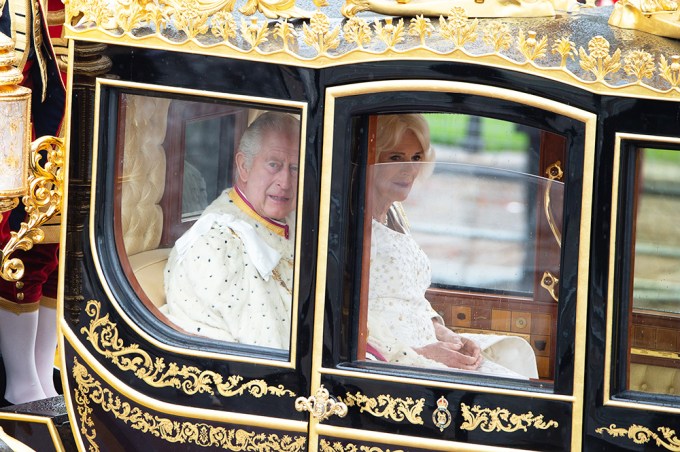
pixel 270 183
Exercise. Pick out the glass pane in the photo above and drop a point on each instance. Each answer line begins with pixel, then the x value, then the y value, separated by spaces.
pixel 455 277
pixel 656 274
pixel 208 196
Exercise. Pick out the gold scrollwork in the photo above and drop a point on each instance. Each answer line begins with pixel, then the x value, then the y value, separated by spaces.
pixel 337 446
pixel 550 283
pixel 640 434
pixel 501 420
pixel 43 201
pixel 89 391
pixel 387 406
pixel 103 335
pixel 321 405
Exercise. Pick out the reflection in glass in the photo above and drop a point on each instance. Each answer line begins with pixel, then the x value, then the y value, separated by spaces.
pixel 655 326
pixel 467 227
pixel 226 256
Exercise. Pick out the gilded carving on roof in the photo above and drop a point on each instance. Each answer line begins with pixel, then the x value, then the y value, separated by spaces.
pixel 579 49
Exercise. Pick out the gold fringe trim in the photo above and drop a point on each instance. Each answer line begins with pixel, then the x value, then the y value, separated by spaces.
pixel 17 308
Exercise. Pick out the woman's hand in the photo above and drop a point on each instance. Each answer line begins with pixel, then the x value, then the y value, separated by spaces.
pixel 464 346
pixel 457 355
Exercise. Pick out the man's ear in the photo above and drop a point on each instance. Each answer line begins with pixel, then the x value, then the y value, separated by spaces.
pixel 241 167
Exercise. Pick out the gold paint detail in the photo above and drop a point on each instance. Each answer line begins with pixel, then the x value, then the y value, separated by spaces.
pixel 387 406
pixel 640 435
pixel 501 420
pixel 337 446
pixel 441 417
pixel 321 405
pixel 103 335
pixel 88 391
pixel 213 26
pixel 43 201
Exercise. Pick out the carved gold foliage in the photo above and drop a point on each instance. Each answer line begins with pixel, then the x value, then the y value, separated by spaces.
pixel 389 33
pixel 189 18
pixel 318 34
pixel 640 434
pixel 597 60
pixel 501 420
pixel 285 32
pixel 353 7
pixel 640 64
pixel 670 72
pixel 253 33
pixel 457 28
pixel 357 31
pixel 88 391
pixel 532 48
pixel 223 25
pixel 103 335
pixel 565 48
pixel 388 407
pixel 337 446
pixel 422 27
pixel 498 36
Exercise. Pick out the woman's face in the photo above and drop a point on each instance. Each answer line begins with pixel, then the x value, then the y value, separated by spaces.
pixel 394 178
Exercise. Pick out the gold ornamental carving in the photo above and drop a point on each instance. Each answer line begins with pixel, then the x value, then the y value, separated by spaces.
pixel 321 405
pixel 103 335
pixel 320 40
pixel 43 201
pixel 89 392
pixel 337 446
pixel 388 407
pixel 501 420
pixel 640 434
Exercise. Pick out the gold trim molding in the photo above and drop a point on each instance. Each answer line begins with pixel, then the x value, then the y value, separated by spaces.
pixel 201 434
pixel 324 41
pixel 640 434
pixel 501 420
pixel 337 446
pixel 387 406
pixel 103 335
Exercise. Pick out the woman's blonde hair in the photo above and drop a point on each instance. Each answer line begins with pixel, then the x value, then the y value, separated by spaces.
pixel 391 129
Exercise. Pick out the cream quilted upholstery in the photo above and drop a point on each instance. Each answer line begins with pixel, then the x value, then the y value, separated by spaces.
pixel 142 188
pixel 654 379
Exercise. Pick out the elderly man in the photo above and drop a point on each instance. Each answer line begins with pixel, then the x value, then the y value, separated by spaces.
pixel 230 276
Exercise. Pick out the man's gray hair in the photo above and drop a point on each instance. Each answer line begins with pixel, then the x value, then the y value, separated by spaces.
pixel 271 121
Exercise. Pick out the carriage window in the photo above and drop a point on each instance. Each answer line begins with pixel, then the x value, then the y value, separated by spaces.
pixel 464 249
pixel 205 219
pixel 654 335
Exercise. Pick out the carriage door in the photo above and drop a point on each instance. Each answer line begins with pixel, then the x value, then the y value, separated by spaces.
pixel 481 241
pixel 140 373
pixel 636 405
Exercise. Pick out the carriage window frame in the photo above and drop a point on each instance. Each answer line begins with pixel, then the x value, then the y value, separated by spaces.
pixel 405 96
pixel 123 293
pixel 621 314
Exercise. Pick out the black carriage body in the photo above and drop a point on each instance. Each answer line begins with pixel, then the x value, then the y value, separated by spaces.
pixel 132 382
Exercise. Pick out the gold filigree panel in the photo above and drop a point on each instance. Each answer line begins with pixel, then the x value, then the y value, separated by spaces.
pixel 337 446
pixel 89 392
pixel 387 406
pixel 103 335
pixel 640 434
pixel 321 40
pixel 501 420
